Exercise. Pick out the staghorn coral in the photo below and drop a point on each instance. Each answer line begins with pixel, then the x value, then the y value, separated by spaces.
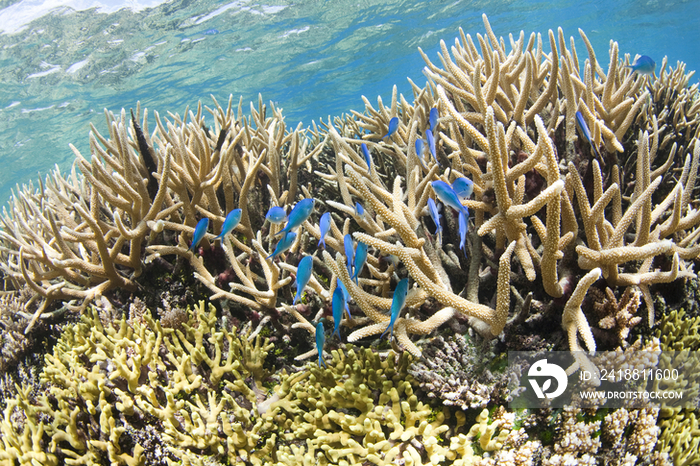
pixel 487 118
pixel 506 121
pixel 676 105
pixel 77 237
pixel 607 246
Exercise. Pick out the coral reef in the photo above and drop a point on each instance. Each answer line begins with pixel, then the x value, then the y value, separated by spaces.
pixel 135 393
pixel 552 221
pixel 109 386
pixel 501 118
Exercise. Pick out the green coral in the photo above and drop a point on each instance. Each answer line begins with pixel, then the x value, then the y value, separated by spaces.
pixel 680 433
pixel 22 434
pixel 132 392
pixel 108 381
pixel 361 408
pixel 676 333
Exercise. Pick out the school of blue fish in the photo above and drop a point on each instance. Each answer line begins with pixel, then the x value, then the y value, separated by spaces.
pixel 356 253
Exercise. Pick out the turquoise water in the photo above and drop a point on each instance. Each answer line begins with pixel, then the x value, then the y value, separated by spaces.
pixel 63 61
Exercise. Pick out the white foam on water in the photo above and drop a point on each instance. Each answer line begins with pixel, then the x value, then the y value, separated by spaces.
pixel 76 66
pixel 16 17
pixel 48 69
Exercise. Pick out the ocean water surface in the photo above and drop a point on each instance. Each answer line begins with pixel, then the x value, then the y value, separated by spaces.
pixel 63 61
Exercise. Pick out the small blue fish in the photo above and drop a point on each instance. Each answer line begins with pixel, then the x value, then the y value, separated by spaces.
pixel 463 229
pixel 393 126
pixel 337 304
pixel 346 296
pixel 643 65
pixel 283 244
pixel 199 231
pixel 324 225
pixel 447 195
pixel 435 215
pixel 359 210
pixel 320 340
pixel 420 149
pixel 210 32
pixel 299 213
pixel 276 215
pixel 431 145
pixel 463 187
pixel 360 259
pixel 432 118
pixel 583 127
pixel 397 303
pixel 368 157
pixel 303 275
pixel 349 251
pixel 232 220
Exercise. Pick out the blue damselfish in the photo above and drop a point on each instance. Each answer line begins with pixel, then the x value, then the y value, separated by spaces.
pixel 276 215
pixel 283 244
pixel 393 126
pixel 463 228
pixel 230 222
pixel 324 225
pixel 463 187
pixel 431 144
pixel 199 231
pixel 420 150
pixel 346 296
pixel 368 157
pixel 435 215
pixel 320 340
pixel 583 127
pixel 432 118
pixel 360 258
pixel 299 213
pixel 349 251
pixel 643 65
pixel 337 304
pixel 304 270
pixel 397 303
pixel 447 195
pixel 359 210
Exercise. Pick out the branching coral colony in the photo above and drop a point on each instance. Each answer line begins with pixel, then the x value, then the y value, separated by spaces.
pixel 542 203
pixel 506 121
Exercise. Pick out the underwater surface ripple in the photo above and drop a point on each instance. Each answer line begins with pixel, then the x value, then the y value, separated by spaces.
pixel 63 61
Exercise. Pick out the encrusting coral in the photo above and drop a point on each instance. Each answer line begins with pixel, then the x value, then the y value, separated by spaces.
pixel 551 218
